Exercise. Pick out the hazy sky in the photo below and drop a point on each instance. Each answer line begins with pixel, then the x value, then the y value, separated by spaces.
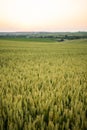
pixel 43 15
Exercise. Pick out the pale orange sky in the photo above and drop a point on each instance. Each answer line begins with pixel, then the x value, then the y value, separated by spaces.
pixel 43 15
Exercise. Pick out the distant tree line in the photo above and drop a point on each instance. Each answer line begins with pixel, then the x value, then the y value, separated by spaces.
pixel 57 38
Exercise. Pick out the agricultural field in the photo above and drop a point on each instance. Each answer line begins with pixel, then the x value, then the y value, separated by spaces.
pixel 43 85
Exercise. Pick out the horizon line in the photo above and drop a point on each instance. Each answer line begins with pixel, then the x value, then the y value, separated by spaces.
pixel 41 31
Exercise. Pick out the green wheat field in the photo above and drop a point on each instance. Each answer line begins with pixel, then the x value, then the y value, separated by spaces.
pixel 43 85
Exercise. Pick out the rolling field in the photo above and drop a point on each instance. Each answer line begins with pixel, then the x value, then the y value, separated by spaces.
pixel 43 85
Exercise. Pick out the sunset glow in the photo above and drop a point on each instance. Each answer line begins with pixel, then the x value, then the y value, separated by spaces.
pixel 43 15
